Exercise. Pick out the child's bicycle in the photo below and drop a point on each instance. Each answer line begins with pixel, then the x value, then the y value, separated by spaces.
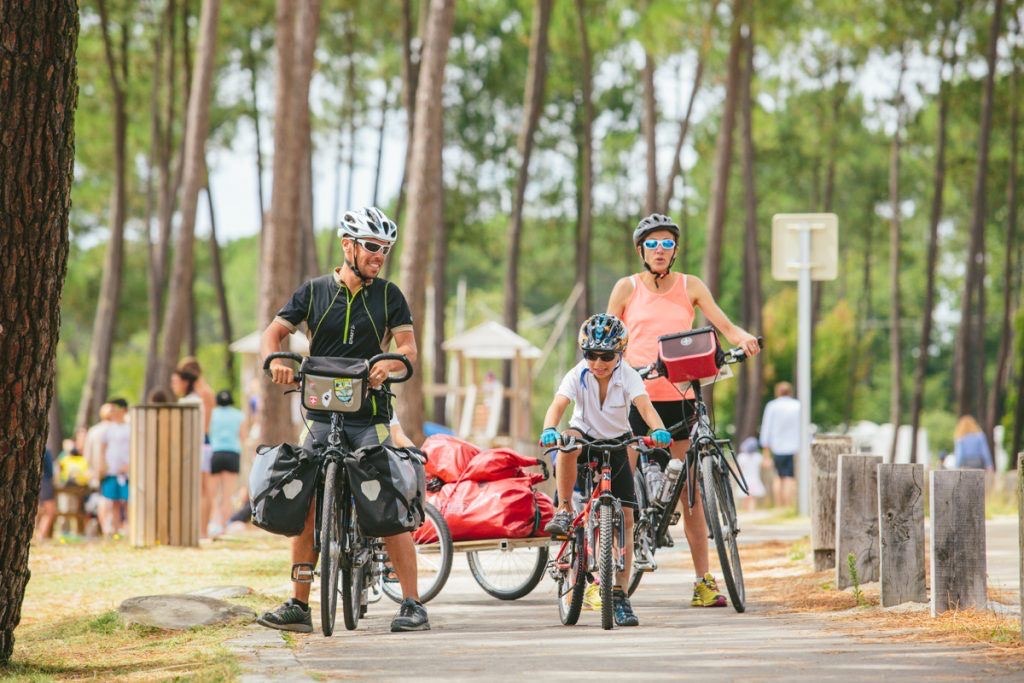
pixel 707 465
pixel 594 535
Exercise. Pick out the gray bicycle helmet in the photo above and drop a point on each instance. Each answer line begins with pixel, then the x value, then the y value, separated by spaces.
pixel 368 223
pixel 656 221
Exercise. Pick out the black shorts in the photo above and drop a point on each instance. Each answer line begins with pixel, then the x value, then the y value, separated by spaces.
pixel 783 464
pixel 622 474
pixel 671 413
pixel 224 461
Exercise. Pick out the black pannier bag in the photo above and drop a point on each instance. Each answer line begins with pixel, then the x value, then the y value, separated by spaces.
pixel 281 484
pixel 389 487
pixel 334 384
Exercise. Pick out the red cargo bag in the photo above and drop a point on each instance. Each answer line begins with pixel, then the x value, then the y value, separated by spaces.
pixel 689 356
pixel 501 463
pixel 447 456
pixel 475 510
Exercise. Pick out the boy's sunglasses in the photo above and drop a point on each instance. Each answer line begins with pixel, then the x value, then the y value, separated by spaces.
pixel 373 247
pixel 665 244
pixel 606 356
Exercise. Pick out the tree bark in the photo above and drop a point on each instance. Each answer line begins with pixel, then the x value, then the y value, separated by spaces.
pixel 283 234
pixel 254 113
pixel 178 314
pixel 895 308
pixel 723 161
pixel 684 125
pixel 440 282
pixel 217 271
pixel 586 162
pixel 648 125
pixel 751 385
pixel 39 91
pixel 426 185
pixel 94 391
pixel 969 375
pixel 938 188
pixel 533 102
pixel 411 59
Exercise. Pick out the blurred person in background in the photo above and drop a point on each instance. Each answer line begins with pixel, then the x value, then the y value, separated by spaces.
pixel 227 429
pixel 970 447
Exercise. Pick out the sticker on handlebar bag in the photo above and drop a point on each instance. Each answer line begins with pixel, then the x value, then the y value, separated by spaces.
pixel 343 390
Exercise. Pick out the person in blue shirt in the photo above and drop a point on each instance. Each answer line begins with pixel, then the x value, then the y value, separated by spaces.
pixel 226 433
pixel 970 447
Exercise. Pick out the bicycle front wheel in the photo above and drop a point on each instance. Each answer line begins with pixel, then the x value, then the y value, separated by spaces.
pixel 605 566
pixel 330 549
pixel 433 560
pixel 721 517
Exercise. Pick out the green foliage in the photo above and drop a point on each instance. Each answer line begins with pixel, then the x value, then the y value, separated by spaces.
pixel 858 594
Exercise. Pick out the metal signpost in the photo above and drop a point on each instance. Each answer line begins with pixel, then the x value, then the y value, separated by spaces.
pixel 805 247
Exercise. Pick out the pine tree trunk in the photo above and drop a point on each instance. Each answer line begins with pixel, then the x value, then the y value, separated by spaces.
pixel 440 288
pixel 39 91
pixel 533 102
pixel 723 161
pixel 179 309
pixel 426 186
pixel 94 391
pixel 411 59
pixel 648 125
pixel 254 113
pixel 938 188
pixel 217 273
pixel 280 265
pixel 895 308
pixel 751 385
pixel 969 374
pixel 586 161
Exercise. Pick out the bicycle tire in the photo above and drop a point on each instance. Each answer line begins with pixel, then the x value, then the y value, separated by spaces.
pixel 429 584
pixel 330 550
pixel 641 531
pixel 721 516
pixel 604 564
pixel 351 595
pixel 523 567
pixel 574 581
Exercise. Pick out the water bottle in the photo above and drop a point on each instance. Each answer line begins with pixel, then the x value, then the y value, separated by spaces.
pixel 668 484
pixel 653 478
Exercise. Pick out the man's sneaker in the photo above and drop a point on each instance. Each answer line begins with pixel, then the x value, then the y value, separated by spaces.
pixel 705 593
pixel 412 616
pixel 592 597
pixel 559 525
pixel 288 617
pixel 624 615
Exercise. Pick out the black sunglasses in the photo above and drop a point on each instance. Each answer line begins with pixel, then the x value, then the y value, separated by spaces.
pixel 373 247
pixel 606 356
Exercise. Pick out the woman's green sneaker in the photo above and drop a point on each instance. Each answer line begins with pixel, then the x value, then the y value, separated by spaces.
pixel 705 593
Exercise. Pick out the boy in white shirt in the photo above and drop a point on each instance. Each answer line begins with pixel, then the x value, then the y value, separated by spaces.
pixel 603 389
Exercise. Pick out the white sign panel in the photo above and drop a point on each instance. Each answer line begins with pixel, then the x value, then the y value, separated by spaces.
pixel 786 231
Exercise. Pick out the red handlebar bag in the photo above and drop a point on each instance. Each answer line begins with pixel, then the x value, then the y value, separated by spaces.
pixel 475 510
pixel 447 456
pixel 689 356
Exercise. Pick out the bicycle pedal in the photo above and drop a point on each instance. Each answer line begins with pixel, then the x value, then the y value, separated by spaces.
pixel 674 519
pixel 302 572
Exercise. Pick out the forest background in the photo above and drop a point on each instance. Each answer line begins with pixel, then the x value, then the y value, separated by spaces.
pixel 563 123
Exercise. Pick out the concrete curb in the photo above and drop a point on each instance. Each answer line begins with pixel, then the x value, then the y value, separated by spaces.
pixel 264 656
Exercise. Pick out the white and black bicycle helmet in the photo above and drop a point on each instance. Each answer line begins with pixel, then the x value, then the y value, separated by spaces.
pixel 652 223
pixel 368 223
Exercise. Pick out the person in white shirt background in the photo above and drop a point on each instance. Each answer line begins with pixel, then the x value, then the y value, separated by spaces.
pixel 780 439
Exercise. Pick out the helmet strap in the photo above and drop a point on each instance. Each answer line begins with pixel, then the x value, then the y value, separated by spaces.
pixel 658 276
pixel 355 269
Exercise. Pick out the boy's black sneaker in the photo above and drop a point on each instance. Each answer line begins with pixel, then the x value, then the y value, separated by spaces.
pixel 624 615
pixel 558 527
pixel 412 616
pixel 289 617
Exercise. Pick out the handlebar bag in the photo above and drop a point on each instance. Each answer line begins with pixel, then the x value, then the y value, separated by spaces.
pixel 336 385
pixel 689 356
pixel 281 485
pixel 389 488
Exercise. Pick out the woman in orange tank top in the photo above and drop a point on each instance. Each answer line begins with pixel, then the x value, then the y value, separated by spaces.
pixel 656 302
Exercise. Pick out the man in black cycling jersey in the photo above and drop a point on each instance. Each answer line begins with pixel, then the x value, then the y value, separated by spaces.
pixel 350 313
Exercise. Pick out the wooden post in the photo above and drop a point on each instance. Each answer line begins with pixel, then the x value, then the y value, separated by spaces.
pixel 857 518
pixel 901 531
pixel 958 540
pixel 163 480
pixel 825 452
pixel 1020 531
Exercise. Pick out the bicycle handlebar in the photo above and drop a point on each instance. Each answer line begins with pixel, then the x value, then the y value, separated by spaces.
pixel 291 355
pixel 574 442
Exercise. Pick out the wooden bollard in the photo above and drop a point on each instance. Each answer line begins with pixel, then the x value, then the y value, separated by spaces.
pixel 166 451
pixel 901 533
pixel 825 452
pixel 958 540
pixel 857 518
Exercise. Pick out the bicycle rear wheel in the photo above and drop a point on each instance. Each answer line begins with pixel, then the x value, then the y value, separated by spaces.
pixel 573 579
pixel 433 560
pixel 330 549
pixel 353 563
pixel 644 543
pixel 351 595
pixel 721 517
pixel 604 564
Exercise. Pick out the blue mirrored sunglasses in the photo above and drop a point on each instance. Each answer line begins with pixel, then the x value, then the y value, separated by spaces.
pixel 665 244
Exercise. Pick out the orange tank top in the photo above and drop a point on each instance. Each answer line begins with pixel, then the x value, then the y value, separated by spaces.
pixel 648 315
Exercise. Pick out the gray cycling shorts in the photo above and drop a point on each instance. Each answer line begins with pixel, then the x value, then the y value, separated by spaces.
pixel 354 434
